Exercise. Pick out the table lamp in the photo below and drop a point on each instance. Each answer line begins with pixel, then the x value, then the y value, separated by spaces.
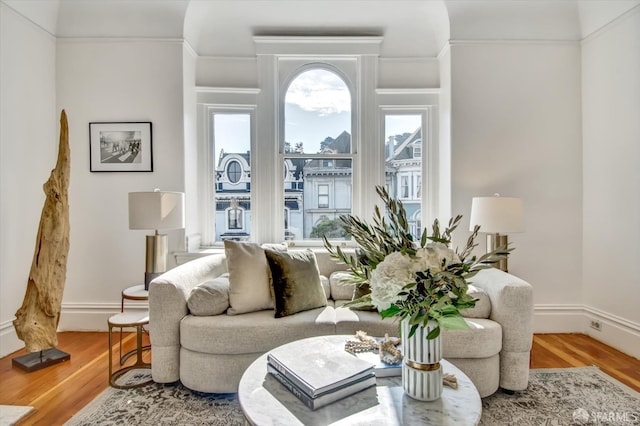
pixel 156 210
pixel 497 216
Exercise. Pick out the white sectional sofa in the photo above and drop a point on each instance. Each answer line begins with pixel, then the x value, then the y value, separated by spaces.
pixel 210 353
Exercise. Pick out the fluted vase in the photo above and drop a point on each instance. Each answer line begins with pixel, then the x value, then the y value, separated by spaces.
pixel 421 370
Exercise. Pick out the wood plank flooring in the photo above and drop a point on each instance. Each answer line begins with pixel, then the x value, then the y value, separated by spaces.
pixel 60 391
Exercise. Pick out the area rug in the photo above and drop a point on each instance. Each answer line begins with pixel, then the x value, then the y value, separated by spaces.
pixel 554 397
pixel 10 414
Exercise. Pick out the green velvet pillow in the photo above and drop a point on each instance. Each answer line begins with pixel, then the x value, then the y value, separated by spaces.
pixel 296 281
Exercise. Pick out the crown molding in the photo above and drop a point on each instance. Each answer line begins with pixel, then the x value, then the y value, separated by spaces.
pixel 408 59
pixel 317 45
pixel 611 24
pixel 445 49
pixel 227 58
pixel 189 48
pixel 227 90
pixel 507 42
pixel 29 22
pixel 106 40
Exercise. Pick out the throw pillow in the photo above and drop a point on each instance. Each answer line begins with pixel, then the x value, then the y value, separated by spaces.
pixel 249 287
pixel 210 297
pixel 483 304
pixel 296 282
pixel 276 246
pixel 325 286
pixel 343 289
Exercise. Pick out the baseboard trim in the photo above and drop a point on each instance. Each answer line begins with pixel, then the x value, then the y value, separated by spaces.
pixel 615 331
pixel 9 341
pixel 74 317
pixel 93 316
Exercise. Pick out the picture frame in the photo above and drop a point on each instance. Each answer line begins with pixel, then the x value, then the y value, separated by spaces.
pixel 121 146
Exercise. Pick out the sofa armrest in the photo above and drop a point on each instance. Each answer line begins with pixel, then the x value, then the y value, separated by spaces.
pixel 168 296
pixel 511 307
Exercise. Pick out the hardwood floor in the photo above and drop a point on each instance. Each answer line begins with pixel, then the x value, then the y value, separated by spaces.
pixel 59 391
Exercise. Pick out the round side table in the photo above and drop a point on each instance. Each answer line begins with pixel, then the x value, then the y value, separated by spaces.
pixel 122 320
pixel 136 292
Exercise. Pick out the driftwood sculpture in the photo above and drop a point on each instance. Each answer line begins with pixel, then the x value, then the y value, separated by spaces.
pixel 37 319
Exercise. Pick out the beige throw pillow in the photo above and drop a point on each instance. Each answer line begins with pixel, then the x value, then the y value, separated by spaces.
pixel 296 282
pixel 210 297
pixel 249 273
pixel 341 288
pixel 483 304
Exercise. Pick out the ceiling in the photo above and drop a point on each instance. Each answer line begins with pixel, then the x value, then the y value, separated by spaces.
pixel 411 28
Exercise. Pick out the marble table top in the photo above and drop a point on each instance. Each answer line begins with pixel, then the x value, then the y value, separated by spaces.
pixel 265 401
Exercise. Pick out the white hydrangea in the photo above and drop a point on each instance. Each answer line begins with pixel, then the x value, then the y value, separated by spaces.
pixel 397 270
pixel 432 255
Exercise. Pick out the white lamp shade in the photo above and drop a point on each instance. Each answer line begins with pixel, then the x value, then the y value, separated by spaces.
pixel 497 215
pixel 156 210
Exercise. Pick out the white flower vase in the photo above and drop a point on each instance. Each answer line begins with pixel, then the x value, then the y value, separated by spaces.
pixel 421 371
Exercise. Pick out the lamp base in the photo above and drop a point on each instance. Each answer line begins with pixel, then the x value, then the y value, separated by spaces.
pixel 148 277
pixel 495 241
pixel 156 258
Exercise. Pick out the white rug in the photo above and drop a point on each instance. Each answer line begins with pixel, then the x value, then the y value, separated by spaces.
pixel 10 414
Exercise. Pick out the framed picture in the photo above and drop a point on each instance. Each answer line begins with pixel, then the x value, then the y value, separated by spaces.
pixel 120 147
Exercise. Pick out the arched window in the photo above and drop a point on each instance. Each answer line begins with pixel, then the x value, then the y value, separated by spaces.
pixel 318 139
pixel 317 111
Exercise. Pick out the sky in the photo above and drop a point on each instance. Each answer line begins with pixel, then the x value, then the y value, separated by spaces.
pixel 317 105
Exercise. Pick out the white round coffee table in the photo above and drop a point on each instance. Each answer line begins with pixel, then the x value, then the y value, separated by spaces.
pixel 264 401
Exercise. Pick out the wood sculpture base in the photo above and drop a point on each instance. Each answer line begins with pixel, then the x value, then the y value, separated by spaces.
pixel 39 360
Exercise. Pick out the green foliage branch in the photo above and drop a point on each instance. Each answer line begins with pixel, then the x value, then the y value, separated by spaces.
pixel 437 296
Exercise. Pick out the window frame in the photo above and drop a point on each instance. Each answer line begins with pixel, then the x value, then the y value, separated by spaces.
pixel 210 103
pixel 328 203
pixel 429 168
pixel 346 68
pixel 240 171
pixel 228 222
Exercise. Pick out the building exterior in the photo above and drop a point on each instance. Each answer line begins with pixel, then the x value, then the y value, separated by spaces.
pixel 403 174
pixel 317 191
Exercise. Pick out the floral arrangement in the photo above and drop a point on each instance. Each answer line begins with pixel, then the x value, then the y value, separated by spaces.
pixel 403 278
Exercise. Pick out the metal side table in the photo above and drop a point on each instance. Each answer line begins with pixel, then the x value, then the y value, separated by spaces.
pixel 136 320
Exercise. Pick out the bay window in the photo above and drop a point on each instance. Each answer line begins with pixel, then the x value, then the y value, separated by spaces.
pixel 285 160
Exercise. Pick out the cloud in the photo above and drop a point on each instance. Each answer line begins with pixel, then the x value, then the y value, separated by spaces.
pixel 319 91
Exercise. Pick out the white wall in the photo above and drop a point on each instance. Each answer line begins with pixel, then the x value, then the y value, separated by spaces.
pixel 516 130
pixel 116 80
pixel 611 211
pixel 28 152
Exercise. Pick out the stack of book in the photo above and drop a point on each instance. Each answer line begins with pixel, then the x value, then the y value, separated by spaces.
pixel 318 373
pixel 380 368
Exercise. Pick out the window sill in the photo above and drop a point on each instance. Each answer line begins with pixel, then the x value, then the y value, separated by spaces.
pixel 182 257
